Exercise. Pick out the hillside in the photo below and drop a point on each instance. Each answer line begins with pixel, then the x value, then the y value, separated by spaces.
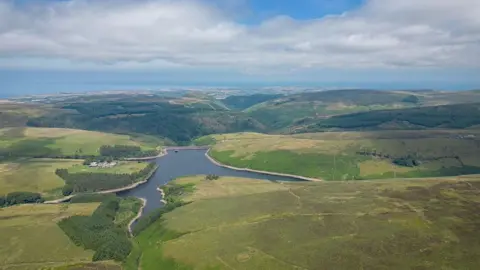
pixel 352 155
pixel 180 119
pixel 60 142
pixel 458 116
pixel 236 223
pixel 34 239
pixel 35 175
pixel 244 102
pixel 310 108
pixel 31 157
pixel 173 120
pixel 288 110
pixel 15 114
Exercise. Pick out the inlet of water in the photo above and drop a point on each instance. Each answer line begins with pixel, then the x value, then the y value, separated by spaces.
pixel 184 163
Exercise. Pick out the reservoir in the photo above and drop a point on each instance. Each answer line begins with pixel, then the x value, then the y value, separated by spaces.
pixel 185 163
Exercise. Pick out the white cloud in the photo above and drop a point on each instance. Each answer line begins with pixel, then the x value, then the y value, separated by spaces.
pixel 382 33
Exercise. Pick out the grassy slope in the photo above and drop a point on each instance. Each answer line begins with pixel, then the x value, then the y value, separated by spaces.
pixel 333 156
pixel 458 116
pixel 37 141
pixel 309 109
pixel 34 175
pixel 306 107
pixel 31 238
pixel 38 175
pixel 357 225
pixel 13 114
pixel 244 102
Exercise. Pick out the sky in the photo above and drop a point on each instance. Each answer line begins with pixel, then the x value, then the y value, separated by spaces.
pixel 75 45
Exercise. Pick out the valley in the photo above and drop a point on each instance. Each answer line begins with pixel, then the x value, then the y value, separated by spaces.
pixel 311 180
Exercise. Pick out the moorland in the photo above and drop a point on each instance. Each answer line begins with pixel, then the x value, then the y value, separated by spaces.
pixel 400 191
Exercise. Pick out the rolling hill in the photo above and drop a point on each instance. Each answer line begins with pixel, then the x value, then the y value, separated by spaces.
pixel 352 155
pixel 307 108
pixel 34 239
pixel 235 223
pixel 53 142
pixel 176 122
pixel 285 111
pixel 457 116
pixel 244 102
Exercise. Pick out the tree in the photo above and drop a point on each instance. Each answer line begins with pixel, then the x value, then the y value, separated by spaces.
pixel 211 177
pixel 411 99
pixel 67 190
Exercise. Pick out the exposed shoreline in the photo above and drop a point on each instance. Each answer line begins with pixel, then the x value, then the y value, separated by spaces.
pixel 161 154
pixel 139 214
pixel 163 195
pixel 131 186
pixel 164 152
pixel 261 172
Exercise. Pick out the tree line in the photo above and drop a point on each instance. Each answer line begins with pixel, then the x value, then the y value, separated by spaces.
pixel 122 151
pixel 20 197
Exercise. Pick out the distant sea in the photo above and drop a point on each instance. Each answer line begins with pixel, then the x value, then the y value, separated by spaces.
pixel 21 83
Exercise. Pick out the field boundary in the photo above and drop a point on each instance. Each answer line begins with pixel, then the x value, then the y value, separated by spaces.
pixel 261 172
pixel 132 186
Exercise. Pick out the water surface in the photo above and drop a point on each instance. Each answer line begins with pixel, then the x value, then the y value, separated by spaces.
pixel 185 163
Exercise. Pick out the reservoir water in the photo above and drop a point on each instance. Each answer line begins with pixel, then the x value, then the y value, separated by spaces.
pixel 185 163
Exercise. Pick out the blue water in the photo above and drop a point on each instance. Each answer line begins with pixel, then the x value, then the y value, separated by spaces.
pixel 184 163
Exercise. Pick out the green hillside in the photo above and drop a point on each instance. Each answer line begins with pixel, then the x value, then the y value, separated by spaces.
pixel 305 107
pixel 352 155
pixel 53 142
pixel 244 102
pixel 178 120
pixel 32 239
pixel 459 116
pixel 237 223
pixel 15 114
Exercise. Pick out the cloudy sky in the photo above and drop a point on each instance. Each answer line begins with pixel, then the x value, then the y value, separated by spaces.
pixel 407 43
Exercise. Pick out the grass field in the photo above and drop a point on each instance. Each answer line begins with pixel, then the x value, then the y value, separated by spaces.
pixel 127 167
pixel 407 224
pixel 33 175
pixel 31 238
pixel 38 175
pixel 60 141
pixel 335 155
